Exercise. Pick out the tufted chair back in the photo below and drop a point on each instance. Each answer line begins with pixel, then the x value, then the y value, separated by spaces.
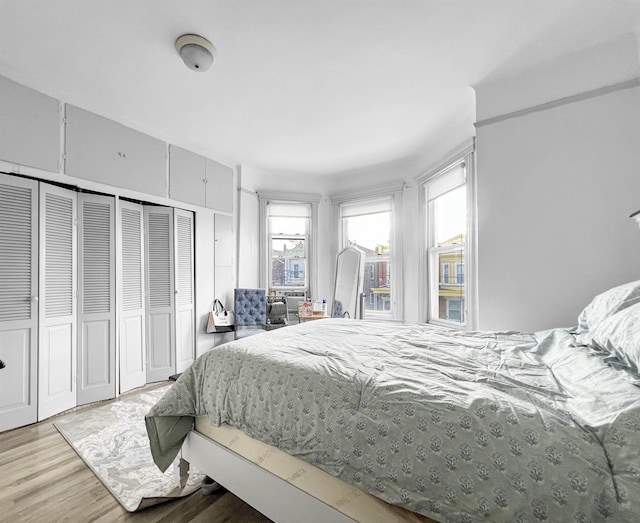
pixel 250 308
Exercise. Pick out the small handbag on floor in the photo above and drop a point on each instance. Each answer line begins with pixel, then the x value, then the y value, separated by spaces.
pixel 220 319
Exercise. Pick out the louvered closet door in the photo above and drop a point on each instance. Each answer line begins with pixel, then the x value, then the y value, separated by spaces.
pixel 131 296
pixel 159 293
pixel 185 330
pixel 58 315
pixel 96 321
pixel 18 301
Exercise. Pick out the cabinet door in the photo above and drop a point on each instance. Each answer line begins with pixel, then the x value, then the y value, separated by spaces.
pixel 186 176
pixel 223 256
pixel 104 151
pixel 185 342
pixel 96 336
pixel 160 293
pixel 131 296
pixel 220 193
pixel 30 130
pixel 18 301
pixel 57 314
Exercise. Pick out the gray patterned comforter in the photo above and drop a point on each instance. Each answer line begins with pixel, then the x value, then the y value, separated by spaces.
pixel 500 427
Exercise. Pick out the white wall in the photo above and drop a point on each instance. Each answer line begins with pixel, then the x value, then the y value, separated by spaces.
pixel 555 191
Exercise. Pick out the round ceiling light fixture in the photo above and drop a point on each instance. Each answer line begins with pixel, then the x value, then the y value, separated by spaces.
pixel 196 52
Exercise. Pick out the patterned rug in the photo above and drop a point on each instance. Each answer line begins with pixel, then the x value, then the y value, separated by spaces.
pixel 112 441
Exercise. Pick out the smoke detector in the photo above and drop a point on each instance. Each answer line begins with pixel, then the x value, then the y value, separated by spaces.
pixel 196 52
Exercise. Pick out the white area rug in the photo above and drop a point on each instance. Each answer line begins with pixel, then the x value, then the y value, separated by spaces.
pixel 112 441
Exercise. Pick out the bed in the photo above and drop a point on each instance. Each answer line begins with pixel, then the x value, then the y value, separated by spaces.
pixel 415 421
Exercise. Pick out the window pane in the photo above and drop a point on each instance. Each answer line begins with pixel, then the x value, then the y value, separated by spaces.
pixel 377 285
pixel 450 217
pixel 454 310
pixel 370 233
pixel 284 225
pixel 450 286
pixel 287 248
pixel 287 272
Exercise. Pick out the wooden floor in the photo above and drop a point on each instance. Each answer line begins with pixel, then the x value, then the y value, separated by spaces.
pixel 43 479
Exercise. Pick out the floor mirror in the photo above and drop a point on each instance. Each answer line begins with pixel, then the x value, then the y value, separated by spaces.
pixel 347 291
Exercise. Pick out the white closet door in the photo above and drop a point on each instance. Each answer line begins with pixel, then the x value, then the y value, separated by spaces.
pixel 185 330
pixel 57 316
pixel 160 293
pixel 18 301
pixel 96 334
pixel 131 296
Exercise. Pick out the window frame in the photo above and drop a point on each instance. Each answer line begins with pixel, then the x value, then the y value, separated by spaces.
pixel 311 240
pixel 464 154
pixel 391 193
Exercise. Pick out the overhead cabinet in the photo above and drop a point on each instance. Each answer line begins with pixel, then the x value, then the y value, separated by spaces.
pixel 200 181
pixel 104 151
pixel 30 129
pixel 219 186
pixel 187 177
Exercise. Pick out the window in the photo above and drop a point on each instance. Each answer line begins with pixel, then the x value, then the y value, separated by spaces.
pixel 368 226
pixel 454 310
pixel 446 197
pixel 445 273
pixel 288 225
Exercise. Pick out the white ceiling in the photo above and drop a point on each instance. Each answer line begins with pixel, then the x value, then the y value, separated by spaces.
pixel 298 86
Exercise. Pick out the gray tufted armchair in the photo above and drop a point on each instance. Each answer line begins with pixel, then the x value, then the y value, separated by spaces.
pixel 250 308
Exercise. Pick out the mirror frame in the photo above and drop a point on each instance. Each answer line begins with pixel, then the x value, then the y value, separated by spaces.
pixel 345 279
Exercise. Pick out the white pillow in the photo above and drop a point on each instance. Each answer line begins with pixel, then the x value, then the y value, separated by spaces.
pixel 607 304
pixel 620 335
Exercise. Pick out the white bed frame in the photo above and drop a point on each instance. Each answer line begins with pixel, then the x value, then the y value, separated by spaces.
pixel 274 497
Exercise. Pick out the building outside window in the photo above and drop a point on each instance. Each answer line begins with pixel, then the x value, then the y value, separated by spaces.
pixel 368 226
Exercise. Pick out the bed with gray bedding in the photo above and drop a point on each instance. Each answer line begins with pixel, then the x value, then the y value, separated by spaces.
pixel 457 426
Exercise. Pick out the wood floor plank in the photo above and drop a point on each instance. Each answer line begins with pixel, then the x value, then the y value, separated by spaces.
pixel 43 479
